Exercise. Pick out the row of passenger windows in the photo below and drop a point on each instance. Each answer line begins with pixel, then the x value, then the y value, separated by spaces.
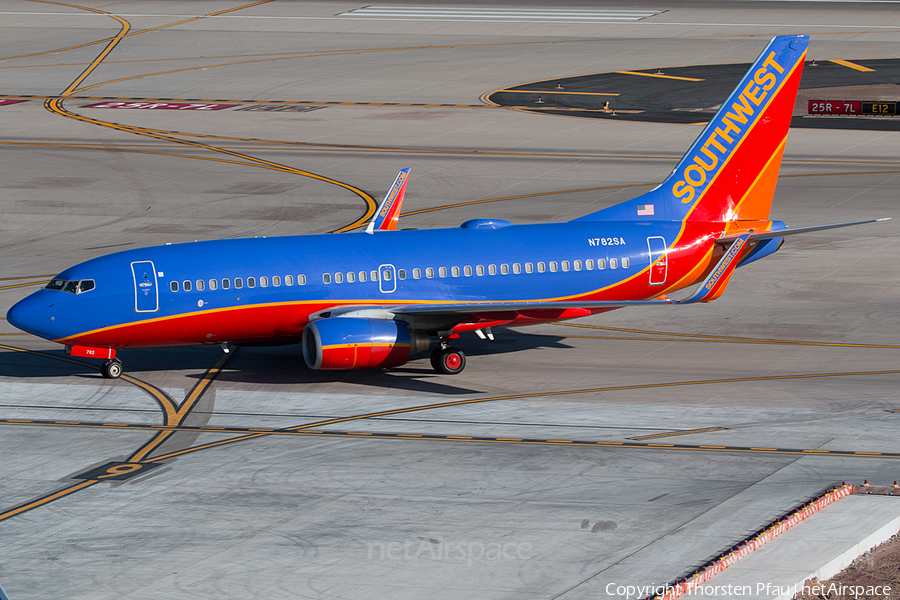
pixel 430 272
pixel 200 284
pixel 480 270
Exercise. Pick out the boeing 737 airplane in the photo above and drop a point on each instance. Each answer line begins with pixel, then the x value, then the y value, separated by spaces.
pixel 373 299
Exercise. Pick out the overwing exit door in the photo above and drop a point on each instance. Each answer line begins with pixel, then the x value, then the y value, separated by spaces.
pixel 387 280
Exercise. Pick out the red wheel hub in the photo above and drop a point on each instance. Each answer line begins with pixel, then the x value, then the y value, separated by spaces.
pixel 452 361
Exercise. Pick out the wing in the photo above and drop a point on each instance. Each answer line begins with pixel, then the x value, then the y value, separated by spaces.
pixel 389 211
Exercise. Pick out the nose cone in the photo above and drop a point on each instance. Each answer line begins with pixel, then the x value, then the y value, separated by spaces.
pixel 30 314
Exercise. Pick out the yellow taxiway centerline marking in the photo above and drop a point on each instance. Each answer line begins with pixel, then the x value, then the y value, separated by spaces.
pixel 660 75
pixel 852 65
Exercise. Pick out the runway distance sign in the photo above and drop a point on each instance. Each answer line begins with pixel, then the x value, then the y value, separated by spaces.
pixel 834 107
pixel 852 107
pixel 161 105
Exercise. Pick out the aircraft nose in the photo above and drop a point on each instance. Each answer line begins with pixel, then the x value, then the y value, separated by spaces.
pixel 29 314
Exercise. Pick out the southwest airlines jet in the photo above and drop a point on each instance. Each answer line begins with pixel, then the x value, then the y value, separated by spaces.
pixel 374 298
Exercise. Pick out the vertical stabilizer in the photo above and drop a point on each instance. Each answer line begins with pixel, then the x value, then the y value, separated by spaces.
pixel 730 171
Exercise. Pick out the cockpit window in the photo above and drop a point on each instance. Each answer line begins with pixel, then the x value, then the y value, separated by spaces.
pixel 71 287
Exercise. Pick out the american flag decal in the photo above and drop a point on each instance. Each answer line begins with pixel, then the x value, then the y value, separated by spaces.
pixel 644 210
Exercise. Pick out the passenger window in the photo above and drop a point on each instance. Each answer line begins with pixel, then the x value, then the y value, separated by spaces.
pixel 613 263
pixel 200 285
pixel 238 282
pixel 517 268
pixel 301 279
pixel 454 271
pixel 529 268
pixel 417 273
pixel 429 272
pixel 504 269
pixel 565 265
pixel 374 275
pixel 541 267
pixel 351 277
pixel 186 285
pixel 589 264
pixel 386 275
pixel 288 280
pixel 442 271
pixel 626 262
pixel 276 280
pixel 56 284
pixel 401 274
pixel 553 266
pixel 479 270
pixel 213 284
pixel 339 278
pixel 87 285
pixel 263 281
pixel 577 265
pixel 174 286
pixel 601 263
pixel 251 282
pixel 226 283
pixel 326 277
pixel 492 269
pixel 467 270
pixel 362 276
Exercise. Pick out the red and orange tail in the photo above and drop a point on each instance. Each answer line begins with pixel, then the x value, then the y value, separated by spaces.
pixel 730 171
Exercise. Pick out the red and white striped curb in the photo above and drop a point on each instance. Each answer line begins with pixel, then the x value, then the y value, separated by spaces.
pixel 770 532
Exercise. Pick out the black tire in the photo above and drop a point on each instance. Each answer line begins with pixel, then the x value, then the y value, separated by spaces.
pixel 449 361
pixel 111 369
pixel 436 359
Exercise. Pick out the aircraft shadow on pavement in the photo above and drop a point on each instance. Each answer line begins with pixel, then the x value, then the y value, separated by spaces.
pixel 274 365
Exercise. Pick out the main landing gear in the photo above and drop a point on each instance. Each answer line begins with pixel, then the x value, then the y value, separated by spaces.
pixel 111 369
pixel 448 360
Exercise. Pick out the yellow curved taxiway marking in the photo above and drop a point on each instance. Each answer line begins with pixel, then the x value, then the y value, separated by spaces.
pixel 105 40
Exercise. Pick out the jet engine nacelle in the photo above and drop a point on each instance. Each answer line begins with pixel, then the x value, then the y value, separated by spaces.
pixel 340 343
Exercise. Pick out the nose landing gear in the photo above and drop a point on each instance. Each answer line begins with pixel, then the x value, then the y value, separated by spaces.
pixel 111 369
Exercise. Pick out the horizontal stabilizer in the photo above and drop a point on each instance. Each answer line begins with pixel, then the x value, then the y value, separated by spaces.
pixel 767 235
pixel 715 283
pixel 389 211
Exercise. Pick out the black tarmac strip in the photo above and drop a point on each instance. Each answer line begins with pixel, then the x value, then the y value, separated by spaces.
pixel 294 431
pixel 673 94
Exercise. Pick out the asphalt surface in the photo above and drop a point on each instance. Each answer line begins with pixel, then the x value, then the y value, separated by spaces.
pixel 692 94
pixel 626 448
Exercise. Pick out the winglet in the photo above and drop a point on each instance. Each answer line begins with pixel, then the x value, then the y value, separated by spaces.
pixel 389 211
pixel 715 284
